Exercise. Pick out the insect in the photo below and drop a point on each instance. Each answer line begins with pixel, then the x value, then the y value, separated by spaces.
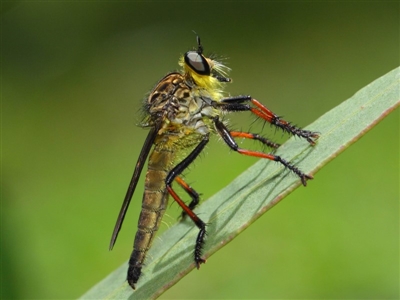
pixel 182 111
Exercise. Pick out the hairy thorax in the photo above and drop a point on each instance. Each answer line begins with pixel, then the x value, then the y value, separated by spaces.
pixel 184 107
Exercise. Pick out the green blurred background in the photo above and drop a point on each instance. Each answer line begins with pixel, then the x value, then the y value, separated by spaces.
pixel 73 76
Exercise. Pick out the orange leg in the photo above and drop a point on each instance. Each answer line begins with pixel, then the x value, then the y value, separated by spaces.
pixel 229 140
pixel 254 136
pixel 192 193
pixel 238 104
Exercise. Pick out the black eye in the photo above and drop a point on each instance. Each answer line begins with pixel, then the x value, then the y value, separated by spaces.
pixel 197 62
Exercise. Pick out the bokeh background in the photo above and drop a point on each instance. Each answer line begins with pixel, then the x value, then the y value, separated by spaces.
pixel 73 78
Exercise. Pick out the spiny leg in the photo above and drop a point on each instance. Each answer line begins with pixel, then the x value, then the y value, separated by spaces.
pixel 237 104
pixel 172 175
pixel 191 192
pixel 254 136
pixel 229 140
pixel 272 118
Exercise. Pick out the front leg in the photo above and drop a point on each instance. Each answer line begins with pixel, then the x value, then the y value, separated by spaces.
pixel 238 103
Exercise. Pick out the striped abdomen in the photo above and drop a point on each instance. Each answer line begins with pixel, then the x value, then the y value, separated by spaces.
pixel 155 200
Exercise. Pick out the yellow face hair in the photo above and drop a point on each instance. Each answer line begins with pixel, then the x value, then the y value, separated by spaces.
pixel 207 74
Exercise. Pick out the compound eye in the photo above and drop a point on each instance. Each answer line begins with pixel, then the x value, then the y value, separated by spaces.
pixel 197 62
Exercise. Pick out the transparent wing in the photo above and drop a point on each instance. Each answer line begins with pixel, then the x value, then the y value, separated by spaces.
pixel 132 185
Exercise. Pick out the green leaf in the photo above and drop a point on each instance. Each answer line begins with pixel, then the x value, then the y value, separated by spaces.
pixel 254 192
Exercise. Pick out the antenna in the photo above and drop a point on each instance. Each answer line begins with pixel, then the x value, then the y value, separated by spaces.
pixel 199 46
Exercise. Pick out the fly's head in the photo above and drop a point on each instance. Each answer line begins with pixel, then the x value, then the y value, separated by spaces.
pixel 205 72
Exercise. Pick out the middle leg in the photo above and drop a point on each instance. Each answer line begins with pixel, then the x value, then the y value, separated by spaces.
pixel 229 140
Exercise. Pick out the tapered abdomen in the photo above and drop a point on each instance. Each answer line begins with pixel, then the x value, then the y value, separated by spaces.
pixel 155 200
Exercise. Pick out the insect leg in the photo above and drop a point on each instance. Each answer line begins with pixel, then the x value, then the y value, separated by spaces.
pixel 192 193
pixel 172 175
pixel 254 136
pixel 229 140
pixel 237 104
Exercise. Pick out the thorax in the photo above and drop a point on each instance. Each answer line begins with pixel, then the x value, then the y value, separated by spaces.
pixel 182 106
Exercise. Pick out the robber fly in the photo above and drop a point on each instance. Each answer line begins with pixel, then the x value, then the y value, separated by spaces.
pixel 182 111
